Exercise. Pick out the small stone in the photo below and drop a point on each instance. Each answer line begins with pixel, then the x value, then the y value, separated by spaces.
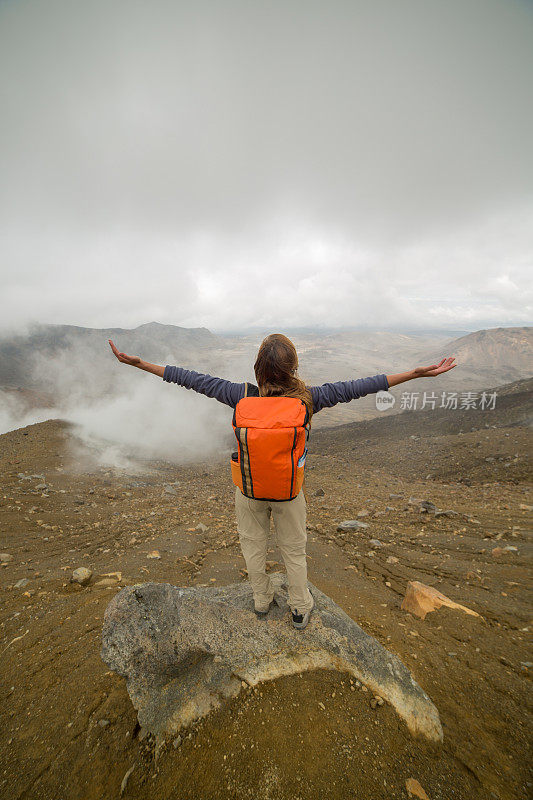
pixel 177 742
pixel 153 554
pixel 421 599
pixel 351 525
pixel 201 527
pixel 415 790
pixel 392 560
pixel 498 551
pixel 525 507
pixel 103 723
pixel 81 575
pixel 5 558
pixel 168 489
pixel 376 543
pixel 363 513
pixel 319 493
pixel 41 486
pixel 22 583
pixel 105 583
pixel 125 780
pixel 115 575
pixel 322 706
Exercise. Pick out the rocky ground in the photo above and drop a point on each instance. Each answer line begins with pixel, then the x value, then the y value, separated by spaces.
pixel 68 729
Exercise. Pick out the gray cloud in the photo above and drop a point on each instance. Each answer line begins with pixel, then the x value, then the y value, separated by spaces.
pixel 244 163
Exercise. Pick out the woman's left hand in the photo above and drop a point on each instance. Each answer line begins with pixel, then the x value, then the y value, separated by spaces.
pixel 435 369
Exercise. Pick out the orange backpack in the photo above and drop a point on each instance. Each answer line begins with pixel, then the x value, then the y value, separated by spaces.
pixel 272 434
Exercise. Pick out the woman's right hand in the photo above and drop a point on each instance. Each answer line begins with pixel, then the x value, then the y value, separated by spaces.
pixel 133 361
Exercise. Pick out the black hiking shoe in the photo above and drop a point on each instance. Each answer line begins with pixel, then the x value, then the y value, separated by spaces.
pixel 300 620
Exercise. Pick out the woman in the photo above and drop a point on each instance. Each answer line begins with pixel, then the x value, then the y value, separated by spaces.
pixel 275 369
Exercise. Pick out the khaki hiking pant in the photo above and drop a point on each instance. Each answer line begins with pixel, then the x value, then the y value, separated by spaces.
pixel 253 525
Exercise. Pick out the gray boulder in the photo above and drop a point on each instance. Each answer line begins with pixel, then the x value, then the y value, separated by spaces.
pixel 352 525
pixel 81 575
pixel 183 651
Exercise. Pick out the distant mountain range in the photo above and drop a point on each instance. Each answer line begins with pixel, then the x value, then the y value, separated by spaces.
pixel 502 354
pixel 485 358
pixel 152 341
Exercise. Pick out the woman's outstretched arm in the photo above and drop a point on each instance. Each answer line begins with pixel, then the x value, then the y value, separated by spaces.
pixel 422 372
pixel 329 394
pixel 135 361
pixel 222 390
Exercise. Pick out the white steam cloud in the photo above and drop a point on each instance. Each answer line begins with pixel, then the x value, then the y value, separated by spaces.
pixel 123 413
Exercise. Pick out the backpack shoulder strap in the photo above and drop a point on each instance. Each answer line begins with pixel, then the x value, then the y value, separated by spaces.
pixel 245 389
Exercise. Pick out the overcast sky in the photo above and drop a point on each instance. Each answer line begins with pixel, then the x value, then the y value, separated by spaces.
pixel 283 163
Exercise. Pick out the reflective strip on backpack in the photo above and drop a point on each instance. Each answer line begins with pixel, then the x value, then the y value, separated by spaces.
pixel 247 484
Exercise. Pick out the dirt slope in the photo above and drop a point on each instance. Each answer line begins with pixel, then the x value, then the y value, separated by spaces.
pixel 67 726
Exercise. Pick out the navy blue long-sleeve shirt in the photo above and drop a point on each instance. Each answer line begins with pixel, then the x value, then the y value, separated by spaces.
pixel 325 396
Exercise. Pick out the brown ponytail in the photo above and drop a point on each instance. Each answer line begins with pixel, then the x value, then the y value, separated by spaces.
pixel 275 370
